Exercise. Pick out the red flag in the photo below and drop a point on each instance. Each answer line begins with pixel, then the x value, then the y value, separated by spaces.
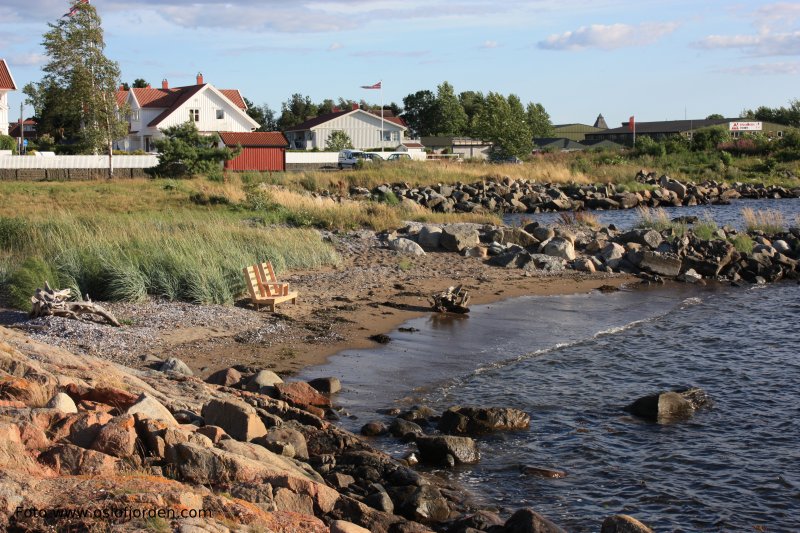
pixel 631 124
pixel 376 86
pixel 74 8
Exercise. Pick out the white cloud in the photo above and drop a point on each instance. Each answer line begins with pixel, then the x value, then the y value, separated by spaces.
pixel 335 46
pixel 765 69
pixel 776 33
pixel 489 44
pixel 27 60
pixel 608 37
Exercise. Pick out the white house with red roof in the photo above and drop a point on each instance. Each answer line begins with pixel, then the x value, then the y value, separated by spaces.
pixel 153 110
pixel 365 129
pixel 7 84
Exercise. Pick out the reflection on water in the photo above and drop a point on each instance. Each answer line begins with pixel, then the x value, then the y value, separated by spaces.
pixel 573 362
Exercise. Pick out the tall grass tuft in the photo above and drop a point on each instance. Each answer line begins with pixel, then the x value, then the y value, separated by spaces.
pixel 706 229
pixel 195 257
pixel 769 221
pixel 658 220
pixel 743 243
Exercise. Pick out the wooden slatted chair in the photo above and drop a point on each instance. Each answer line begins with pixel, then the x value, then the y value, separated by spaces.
pixel 264 288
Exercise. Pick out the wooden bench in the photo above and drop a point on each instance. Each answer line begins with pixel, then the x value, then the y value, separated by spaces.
pixel 264 288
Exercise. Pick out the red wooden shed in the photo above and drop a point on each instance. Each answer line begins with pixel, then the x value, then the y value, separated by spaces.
pixel 262 151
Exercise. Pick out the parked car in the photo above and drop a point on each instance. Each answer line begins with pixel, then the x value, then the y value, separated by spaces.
pixel 398 156
pixel 349 158
pixel 513 160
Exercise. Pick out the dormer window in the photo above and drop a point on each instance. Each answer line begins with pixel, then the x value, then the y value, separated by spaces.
pixel 194 115
pixel 135 115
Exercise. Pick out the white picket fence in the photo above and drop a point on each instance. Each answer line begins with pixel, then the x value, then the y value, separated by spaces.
pixel 76 161
pixel 312 158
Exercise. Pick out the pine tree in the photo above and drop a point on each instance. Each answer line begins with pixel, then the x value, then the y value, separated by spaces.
pixel 451 119
pixel 80 82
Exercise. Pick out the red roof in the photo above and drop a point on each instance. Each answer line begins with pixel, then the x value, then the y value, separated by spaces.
pixel 316 121
pixel 6 80
pixel 254 139
pixel 171 99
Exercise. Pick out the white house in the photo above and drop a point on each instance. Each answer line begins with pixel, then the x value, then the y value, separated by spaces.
pixel 7 85
pixel 153 110
pixel 363 127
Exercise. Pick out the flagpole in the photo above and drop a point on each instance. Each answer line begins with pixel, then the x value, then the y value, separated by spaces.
pixel 382 141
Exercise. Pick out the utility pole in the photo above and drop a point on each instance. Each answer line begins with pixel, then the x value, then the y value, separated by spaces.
pixel 21 128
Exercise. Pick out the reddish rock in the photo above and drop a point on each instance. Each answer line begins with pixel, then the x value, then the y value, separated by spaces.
pixel 80 429
pixel 237 418
pixel 301 394
pixel 46 418
pixel 215 433
pixel 12 403
pixel 68 459
pixel 86 405
pixel 117 438
pixel 286 500
pixel 33 437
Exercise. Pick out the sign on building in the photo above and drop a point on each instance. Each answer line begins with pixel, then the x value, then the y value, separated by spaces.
pixel 744 126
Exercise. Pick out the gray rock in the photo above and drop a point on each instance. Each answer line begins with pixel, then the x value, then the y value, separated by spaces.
pixel 63 403
pixel 518 236
pixel 781 246
pixel 238 419
pixel 406 247
pixel 560 247
pixel 543 233
pixel 441 449
pixel 287 435
pixel 374 429
pixel 690 276
pixel 381 501
pixel 612 252
pixel 426 504
pixel 545 262
pixel 148 407
pixel 328 385
pixel 429 237
pixel 264 378
pixel 173 364
pixel 671 185
pixel 404 428
pixel 661 264
pixel 458 237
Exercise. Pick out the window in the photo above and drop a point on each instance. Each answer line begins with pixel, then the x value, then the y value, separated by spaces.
pixel 220 114
pixel 390 136
pixel 194 115
pixel 780 134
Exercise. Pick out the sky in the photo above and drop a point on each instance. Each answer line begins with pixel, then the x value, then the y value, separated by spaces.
pixel 654 59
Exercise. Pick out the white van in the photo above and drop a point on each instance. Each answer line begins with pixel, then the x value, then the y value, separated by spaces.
pixel 349 158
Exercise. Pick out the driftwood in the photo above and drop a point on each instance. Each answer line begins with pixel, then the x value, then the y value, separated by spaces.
pixel 51 302
pixel 453 300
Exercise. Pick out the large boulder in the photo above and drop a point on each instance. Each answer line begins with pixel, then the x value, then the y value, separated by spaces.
pixel 426 504
pixel 71 460
pixel 406 247
pixel 560 247
pixel 302 394
pixel 448 450
pixel 646 237
pixel 543 233
pixel 429 237
pixel 286 435
pixel 518 236
pixel 238 419
pixel 117 438
pixel 661 264
pixel 328 385
pixel 669 406
pixel 148 407
pixel 675 186
pixel 227 377
pixel 63 403
pixel 458 237
pixel 477 420
pixel 529 521
pixel 264 378
pixel 173 364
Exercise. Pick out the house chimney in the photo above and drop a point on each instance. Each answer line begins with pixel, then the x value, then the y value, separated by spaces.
pixel 336 109
pixel 164 84
pixel 121 86
pixel 199 78
pixel 149 86
pixel 355 106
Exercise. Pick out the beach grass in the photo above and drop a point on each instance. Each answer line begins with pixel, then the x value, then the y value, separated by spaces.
pixel 743 243
pixel 768 221
pixel 706 229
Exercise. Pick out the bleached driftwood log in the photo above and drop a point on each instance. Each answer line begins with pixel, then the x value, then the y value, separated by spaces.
pixel 51 302
pixel 453 300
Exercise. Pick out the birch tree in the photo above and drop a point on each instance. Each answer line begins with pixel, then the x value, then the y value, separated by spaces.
pixel 82 82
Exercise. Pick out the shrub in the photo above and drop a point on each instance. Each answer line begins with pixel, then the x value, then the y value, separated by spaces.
pixel 31 275
pixel 184 152
pixel 7 143
pixel 743 243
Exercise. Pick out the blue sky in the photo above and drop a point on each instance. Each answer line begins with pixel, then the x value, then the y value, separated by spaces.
pixel 656 60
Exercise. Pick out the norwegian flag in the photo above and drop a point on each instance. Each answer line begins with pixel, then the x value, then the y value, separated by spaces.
pixel 376 86
pixel 74 8
pixel 632 123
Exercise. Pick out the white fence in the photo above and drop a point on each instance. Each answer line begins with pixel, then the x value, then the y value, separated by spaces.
pixel 76 161
pixel 312 158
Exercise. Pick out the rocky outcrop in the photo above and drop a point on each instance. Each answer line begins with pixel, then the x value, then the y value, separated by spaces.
pixel 238 419
pixel 447 450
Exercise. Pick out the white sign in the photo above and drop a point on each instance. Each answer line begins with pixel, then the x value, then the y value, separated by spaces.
pixel 744 126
